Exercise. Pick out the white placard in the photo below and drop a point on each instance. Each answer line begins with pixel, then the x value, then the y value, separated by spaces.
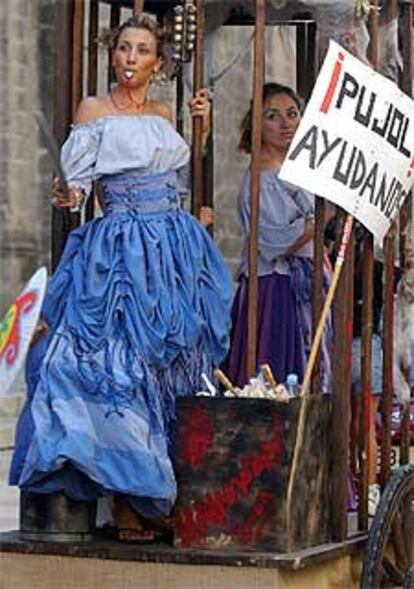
pixel 355 143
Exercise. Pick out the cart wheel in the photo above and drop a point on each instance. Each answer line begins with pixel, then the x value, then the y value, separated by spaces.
pixel 389 556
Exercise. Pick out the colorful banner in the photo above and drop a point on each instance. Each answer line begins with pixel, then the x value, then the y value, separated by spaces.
pixel 17 328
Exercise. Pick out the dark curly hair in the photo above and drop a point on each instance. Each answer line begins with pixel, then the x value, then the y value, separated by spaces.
pixel 270 89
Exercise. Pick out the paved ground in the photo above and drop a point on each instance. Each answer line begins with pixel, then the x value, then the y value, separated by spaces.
pixel 9 496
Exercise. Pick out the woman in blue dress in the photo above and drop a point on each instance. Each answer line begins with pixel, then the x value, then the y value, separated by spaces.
pixel 137 310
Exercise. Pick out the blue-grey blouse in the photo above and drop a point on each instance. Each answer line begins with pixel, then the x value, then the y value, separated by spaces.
pixel 119 144
pixel 283 211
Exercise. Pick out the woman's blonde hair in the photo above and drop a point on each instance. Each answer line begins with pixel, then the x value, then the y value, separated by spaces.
pixel 144 21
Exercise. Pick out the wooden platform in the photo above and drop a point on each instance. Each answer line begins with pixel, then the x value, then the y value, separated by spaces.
pixel 106 564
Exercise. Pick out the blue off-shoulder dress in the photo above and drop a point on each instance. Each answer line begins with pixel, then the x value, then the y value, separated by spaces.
pixel 138 309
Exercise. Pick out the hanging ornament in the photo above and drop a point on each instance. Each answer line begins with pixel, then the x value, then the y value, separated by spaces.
pixel 185 29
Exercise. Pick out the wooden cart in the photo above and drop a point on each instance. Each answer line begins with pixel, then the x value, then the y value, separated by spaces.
pixel 235 455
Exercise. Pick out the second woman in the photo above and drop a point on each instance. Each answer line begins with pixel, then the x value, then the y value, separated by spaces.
pixel 285 253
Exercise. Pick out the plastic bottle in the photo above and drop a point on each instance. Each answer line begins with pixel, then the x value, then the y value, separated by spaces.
pixel 292 384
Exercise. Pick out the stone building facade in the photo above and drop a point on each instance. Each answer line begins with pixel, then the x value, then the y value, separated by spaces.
pixel 26 85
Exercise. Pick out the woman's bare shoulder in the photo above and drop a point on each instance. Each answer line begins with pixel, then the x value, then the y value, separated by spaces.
pixel 91 108
pixel 162 109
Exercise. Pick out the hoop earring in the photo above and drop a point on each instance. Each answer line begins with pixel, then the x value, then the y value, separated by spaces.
pixel 158 78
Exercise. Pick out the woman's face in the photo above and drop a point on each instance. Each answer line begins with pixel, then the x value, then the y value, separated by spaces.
pixel 135 57
pixel 281 118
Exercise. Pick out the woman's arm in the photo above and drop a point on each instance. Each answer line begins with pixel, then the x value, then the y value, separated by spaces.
pixel 200 107
pixel 89 109
pixel 307 235
pixel 309 229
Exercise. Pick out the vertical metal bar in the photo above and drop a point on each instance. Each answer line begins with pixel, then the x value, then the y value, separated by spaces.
pixel 407 17
pixel 373 31
pixel 305 58
pixel 258 77
pixel 366 361
pixel 208 169
pixel 343 321
pixel 92 78
pixel 77 74
pixel 317 286
pixel 406 246
pixel 305 79
pixel 114 20
pixel 388 355
pixel 77 54
pixel 198 82
pixel 62 109
pixel 367 326
pixel 405 434
pixel 138 6
pixel 391 11
pixel 179 106
pixel 354 424
pixel 93 47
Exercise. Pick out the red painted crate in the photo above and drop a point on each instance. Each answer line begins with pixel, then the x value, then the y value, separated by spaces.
pixel 233 460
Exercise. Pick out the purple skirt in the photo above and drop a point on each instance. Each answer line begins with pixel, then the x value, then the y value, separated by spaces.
pixel 284 326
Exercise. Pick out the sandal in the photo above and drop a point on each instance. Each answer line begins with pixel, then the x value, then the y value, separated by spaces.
pixel 131 527
pixel 135 535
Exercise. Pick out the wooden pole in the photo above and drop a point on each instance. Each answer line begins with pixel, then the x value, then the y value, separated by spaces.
pixel 309 367
pixel 391 13
pixel 366 392
pixel 198 83
pixel 138 6
pixel 77 54
pixel 92 80
pixel 407 78
pixel 93 48
pixel 77 75
pixel 327 305
pixel 406 253
pixel 305 58
pixel 340 414
pixel 391 10
pixel 373 32
pixel 114 19
pixel 179 108
pixel 317 295
pixel 255 168
pixel 305 80
pixel 62 110
pixel 366 422
pixel 388 355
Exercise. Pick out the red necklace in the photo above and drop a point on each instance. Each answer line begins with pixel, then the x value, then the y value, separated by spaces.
pixel 139 106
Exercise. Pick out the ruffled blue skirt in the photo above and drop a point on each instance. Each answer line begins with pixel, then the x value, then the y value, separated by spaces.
pixel 138 308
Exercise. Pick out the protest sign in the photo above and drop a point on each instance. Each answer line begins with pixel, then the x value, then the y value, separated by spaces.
pixel 355 143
